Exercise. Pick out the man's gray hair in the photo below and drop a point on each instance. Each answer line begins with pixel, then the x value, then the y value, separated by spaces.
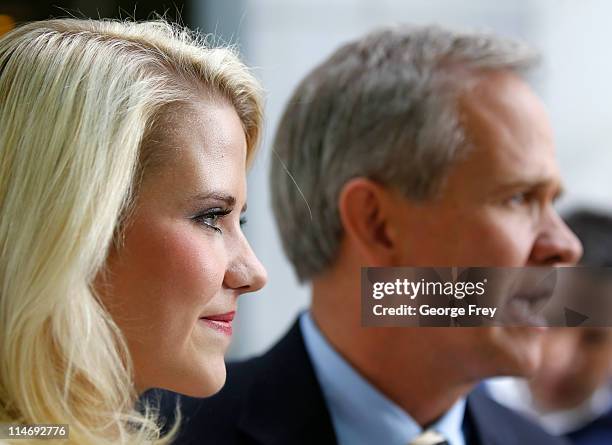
pixel 381 107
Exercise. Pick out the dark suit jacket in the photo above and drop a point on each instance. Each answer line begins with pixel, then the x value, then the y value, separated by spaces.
pixel 275 399
pixel 598 432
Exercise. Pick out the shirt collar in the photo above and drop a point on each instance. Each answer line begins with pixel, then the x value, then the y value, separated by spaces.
pixel 360 413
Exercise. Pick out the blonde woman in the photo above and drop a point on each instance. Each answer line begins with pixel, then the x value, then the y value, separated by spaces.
pixel 123 150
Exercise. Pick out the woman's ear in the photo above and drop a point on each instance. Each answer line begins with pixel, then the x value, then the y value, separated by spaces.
pixel 367 219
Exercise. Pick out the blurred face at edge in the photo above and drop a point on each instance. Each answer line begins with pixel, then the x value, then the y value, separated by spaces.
pixel 575 363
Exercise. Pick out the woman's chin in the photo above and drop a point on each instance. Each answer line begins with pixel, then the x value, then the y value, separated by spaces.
pixel 207 382
pixel 212 386
pixel 197 380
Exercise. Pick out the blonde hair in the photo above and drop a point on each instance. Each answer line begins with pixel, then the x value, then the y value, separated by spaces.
pixel 77 100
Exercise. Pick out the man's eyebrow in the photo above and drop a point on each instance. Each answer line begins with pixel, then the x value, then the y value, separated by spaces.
pixel 536 184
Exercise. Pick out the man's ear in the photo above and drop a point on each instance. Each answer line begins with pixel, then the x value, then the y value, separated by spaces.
pixel 366 214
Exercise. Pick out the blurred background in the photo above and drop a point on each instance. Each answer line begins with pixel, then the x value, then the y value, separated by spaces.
pixel 283 40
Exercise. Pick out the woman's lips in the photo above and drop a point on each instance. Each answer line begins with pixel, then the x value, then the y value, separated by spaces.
pixel 221 323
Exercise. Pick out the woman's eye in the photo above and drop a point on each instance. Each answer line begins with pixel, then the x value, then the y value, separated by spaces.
pixel 211 218
pixel 243 220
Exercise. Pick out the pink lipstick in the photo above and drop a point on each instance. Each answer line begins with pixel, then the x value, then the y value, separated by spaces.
pixel 221 323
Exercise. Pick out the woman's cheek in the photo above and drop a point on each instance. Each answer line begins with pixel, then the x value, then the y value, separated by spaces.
pixel 171 267
pixel 194 269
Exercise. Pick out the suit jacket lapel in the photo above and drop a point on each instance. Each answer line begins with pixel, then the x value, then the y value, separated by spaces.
pixel 489 422
pixel 284 404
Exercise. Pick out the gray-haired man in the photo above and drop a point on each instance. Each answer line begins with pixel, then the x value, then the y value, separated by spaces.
pixel 408 147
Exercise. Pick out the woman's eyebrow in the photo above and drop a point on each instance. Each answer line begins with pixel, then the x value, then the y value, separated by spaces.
pixel 229 200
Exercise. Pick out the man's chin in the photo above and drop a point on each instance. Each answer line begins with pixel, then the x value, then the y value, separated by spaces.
pixel 519 351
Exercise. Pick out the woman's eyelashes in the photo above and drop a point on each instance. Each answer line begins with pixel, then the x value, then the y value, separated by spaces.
pixel 211 218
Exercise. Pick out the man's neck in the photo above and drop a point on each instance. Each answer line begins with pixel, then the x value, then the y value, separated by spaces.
pixel 412 374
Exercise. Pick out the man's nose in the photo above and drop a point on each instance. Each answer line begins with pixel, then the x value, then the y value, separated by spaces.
pixel 555 244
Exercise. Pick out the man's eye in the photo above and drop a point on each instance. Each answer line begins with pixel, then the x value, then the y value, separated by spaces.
pixel 519 199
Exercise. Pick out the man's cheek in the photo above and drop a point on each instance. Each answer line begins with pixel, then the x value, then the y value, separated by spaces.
pixel 503 242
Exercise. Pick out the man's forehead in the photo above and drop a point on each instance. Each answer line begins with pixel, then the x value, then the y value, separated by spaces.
pixel 507 127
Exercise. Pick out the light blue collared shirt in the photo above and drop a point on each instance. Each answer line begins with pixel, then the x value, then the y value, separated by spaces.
pixel 360 414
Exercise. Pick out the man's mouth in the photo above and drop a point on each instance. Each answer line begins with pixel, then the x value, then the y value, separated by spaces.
pixel 524 308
